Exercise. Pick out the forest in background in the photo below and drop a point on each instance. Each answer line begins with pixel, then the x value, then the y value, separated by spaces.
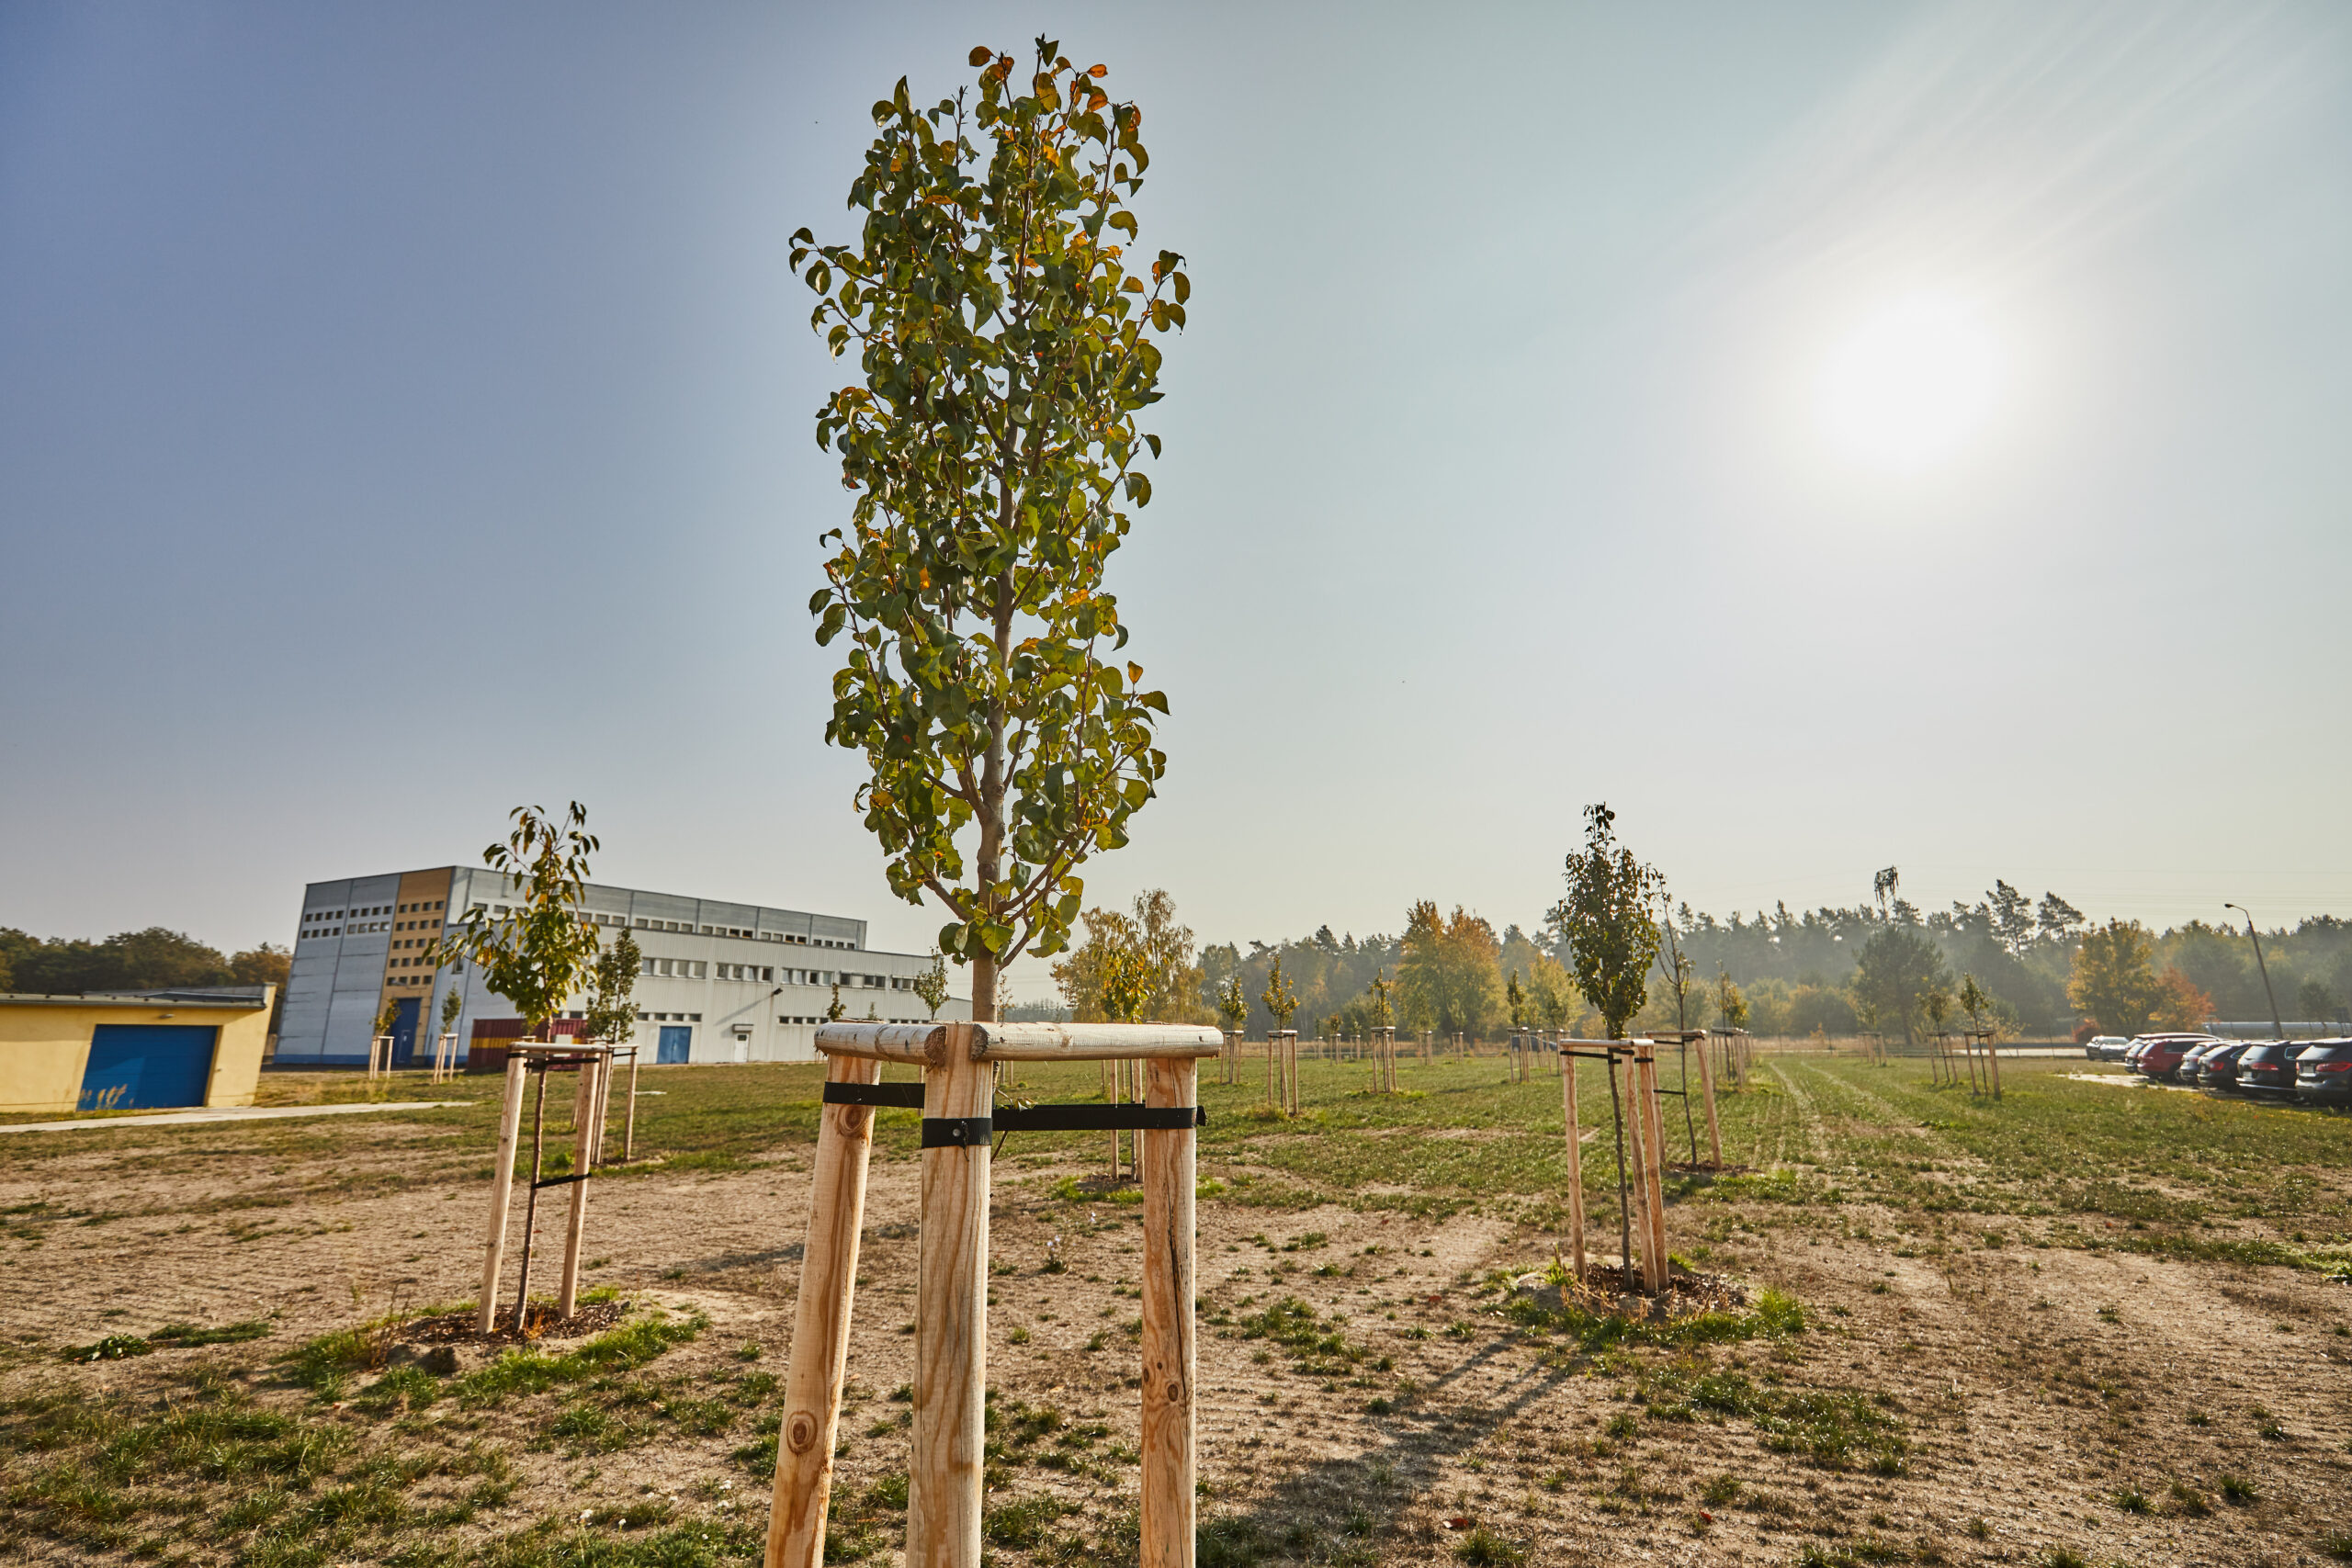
pixel 2043 966
pixel 147 960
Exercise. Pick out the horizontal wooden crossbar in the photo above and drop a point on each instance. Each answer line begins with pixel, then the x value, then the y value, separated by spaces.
pixel 932 1044
pixel 1079 1116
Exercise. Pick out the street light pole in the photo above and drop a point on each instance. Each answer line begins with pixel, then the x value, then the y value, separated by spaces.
pixel 2275 1020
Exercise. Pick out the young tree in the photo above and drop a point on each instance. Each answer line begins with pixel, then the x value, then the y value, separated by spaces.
pixel 538 953
pixel 387 1017
pixel 1232 1006
pixel 836 1012
pixel 1605 922
pixel 1731 1002
pixel 1517 1000
pixel 932 984
pixel 612 1003
pixel 453 1003
pixel 1001 333
pixel 1675 968
pixel 2114 977
pixel 1280 999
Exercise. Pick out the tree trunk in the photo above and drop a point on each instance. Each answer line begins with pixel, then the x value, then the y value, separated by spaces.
pixel 984 972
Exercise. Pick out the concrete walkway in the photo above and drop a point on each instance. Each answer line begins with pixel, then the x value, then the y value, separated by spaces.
pixel 226 1113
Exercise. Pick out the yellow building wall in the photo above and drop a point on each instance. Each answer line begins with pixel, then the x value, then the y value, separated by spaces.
pixel 45 1048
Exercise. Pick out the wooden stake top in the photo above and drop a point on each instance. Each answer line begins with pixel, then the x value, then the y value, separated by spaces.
pixel 932 1044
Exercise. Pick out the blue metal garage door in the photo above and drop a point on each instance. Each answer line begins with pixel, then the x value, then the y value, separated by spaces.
pixel 677 1042
pixel 147 1066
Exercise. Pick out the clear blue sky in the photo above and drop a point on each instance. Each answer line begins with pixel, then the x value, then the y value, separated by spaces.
pixel 406 412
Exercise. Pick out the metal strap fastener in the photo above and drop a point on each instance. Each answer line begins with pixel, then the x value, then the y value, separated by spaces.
pixel 898 1096
pixel 956 1132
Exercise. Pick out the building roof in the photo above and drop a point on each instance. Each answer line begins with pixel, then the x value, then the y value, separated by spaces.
pixel 239 999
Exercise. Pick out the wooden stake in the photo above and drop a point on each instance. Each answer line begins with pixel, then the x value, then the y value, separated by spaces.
pixel 820 1355
pixel 501 1195
pixel 951 1323
pixel 1576 1166
pixel 1992 1059
pixel 1653 1141
pixel 583 1167
pixel 531 1205
pixel 1637 1156
pixel 629 1128
pixel 1168 1161
pixel 1707 1087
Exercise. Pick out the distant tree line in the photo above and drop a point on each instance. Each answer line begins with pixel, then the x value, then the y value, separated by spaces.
pixel 2031 966
pixel 153 959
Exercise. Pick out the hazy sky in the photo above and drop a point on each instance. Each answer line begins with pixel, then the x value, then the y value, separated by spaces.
pixel 1835 434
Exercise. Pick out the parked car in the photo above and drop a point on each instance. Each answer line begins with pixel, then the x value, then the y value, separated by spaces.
pixel 2324 1073
pixel 2267 1067
pixel 2193 1059
pixel 2160 1059
pixel 2106 1048
pixel 2138 1048
pixel 2217 1066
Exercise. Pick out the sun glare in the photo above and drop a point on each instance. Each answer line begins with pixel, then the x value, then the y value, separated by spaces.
pixel 1910 384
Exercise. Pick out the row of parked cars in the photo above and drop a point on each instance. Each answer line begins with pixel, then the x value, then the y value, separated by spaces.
pixel 2316 1072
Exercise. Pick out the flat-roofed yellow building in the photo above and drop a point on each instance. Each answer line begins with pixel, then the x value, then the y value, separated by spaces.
pixel 132 1050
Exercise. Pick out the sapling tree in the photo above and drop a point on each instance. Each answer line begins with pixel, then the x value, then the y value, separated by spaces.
pixel 453 1003
pixel 1003 336
pixel 837 1010
pixel 1605 921
pixel 932 984
pixel 1232 1006
pixel 387 1017
pixel 1123 977
pixel 1731 1002
pixel 612 999
pixel 1516 999
pixel 1280 999
pixel 537 953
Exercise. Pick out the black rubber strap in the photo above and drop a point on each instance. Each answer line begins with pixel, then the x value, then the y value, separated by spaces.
pixel 898 1096
pixel 1100 1118
pixel 562 1181
pixel 956 1132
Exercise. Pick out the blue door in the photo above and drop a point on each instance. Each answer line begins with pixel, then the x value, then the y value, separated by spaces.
pixel 139 1066
pixel 404 1011
pixel 677 1042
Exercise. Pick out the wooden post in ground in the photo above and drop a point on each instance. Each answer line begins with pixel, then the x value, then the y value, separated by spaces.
pixel 531 1204
pixel 1629 1163
pixel 502 1194
pixel 583 1167
pixel 1637 1138
pixel 950 1320
pixel 819 1355
pixel 1168 1161
pixel 1273 1044
pixel 1576 1166
pixel 1707 1087
pixel 629 1128
pixel 1654 1264
pixel 1993 1060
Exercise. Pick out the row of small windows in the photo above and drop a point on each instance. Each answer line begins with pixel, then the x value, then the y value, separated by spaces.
pixel 669 1018
pixel 321 917
pixel 690 929
pixel 695 969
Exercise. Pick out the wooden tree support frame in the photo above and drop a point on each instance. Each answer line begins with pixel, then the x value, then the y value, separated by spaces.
pixel 944 1491
pixel 595 1065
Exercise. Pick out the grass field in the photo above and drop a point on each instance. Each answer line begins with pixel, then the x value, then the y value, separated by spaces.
pixel 1972 1332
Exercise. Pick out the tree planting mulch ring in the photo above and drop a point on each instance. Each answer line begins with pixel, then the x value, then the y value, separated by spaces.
pixel 459 1328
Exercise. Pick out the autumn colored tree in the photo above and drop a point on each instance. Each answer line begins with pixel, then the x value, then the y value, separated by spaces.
pixel 2114 977
pixel 1002 334
pixel 1232 1006
pixel 1157 954
pixel 1606 922
pixel 1446 978
pixel 2180 1005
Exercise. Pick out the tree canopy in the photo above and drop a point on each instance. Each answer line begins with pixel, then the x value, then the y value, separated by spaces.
pixel 1002 334
pixel 1606 922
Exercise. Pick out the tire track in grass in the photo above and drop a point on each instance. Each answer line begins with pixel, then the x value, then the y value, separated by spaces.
pixel 1805 1108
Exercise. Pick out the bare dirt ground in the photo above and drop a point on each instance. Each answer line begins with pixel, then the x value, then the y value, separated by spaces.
pixel 2042 1401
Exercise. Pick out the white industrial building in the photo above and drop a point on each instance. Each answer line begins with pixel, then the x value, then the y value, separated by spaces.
pixel 722 981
